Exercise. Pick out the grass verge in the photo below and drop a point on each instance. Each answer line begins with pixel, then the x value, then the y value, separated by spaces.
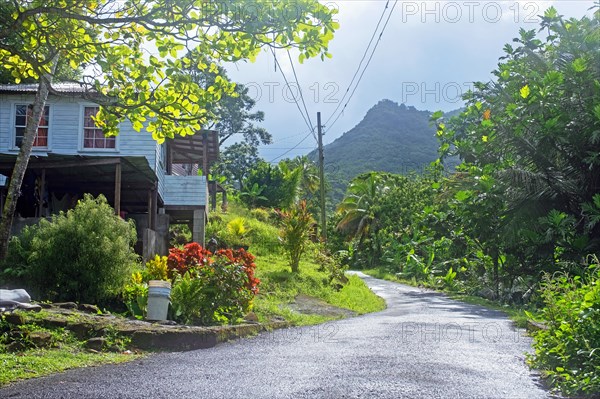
pixel 279 288
pixel 41 362
pixel 30 350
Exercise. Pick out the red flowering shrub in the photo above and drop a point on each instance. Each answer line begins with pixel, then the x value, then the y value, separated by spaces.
pixel 242 257
pixel 188 259
pixel 211 289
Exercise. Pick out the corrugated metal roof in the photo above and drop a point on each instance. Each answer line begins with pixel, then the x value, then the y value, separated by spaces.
pixel 32 88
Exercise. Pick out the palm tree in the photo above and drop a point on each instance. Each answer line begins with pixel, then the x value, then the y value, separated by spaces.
pixel 308 175
pixel 359 219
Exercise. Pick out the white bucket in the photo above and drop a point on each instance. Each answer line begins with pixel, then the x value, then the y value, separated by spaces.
pixel 159 293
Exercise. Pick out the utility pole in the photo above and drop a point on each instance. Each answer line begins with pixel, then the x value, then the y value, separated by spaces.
pixel 322 179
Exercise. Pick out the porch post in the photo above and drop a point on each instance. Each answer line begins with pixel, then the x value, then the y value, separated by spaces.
pixel 41 193
pixel 224 203
pixel 169 158
pixel 154 208
pixel 150 216
pixel 118 188
pixel 198 226
pixel 213 195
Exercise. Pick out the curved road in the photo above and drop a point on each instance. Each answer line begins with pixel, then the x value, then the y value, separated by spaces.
pixel 423 345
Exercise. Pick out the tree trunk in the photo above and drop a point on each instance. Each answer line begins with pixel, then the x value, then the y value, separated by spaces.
pixel 295 263
pixel 16 179
pixel 495 256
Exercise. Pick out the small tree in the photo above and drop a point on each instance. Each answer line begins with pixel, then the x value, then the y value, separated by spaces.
pixel 295 232
pixel 278 186
pixel 83 255
pixel 236 162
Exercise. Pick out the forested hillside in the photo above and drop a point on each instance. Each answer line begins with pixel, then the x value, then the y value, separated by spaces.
pixel 390 138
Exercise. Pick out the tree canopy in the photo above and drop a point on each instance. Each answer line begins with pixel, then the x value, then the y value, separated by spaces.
pixel 233 113
pixel 135 51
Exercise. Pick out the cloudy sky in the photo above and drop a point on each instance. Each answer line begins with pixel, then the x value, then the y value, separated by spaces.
pixel 429 53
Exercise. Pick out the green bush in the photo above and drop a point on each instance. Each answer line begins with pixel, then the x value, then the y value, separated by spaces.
pixel 569 350
pixel 135 295
pixel 83 255
pixel 261 214
pixel 187 299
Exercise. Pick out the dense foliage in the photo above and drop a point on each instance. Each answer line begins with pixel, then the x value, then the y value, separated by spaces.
pixel 85 254
pixel 569 348
pixel 271 186
pixel 217 291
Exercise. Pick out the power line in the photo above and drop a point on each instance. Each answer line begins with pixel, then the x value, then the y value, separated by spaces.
pixel 360 63
pixel 287 148
pixel 300 91
pixel 364 69
pixel 293 148
pixel 288 137
pixel 310 127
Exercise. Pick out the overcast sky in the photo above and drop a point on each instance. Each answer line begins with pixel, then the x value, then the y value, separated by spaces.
pixel 429 53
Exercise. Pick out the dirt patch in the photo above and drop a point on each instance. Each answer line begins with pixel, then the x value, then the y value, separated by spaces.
pixel 314 306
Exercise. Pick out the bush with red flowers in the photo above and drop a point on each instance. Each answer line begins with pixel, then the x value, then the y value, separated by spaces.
pixel 188 259
pixel 209 288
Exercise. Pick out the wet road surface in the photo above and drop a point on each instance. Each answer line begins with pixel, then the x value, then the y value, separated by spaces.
pixel 423 345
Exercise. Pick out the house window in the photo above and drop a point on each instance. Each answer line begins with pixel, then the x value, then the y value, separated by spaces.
pixel 93 137
pixel 22 114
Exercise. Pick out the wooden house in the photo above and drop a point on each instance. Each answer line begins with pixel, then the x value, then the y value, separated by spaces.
pixel 142 179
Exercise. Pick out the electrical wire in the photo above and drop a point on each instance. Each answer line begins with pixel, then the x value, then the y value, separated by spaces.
pixel 291 149
pixel 361 61
pixel 288 137
pixel 286 148
pixel 363 71
pixel 310 127
pixel 301 95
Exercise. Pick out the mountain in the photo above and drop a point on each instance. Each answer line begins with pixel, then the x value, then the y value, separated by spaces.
pixel 390 138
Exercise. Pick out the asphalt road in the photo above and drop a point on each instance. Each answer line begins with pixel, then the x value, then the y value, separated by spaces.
pixel 423 345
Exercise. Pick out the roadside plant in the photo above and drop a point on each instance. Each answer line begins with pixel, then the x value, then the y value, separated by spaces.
pixel 295 232
pixel 448 280
pixel 569 349
pixel 218 289
pixel 236 232
pixel 187 299
pixel 135 296
pixel 333 266
pixel 156 269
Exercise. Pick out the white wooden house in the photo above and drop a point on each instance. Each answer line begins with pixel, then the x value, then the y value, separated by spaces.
pixel 142 179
